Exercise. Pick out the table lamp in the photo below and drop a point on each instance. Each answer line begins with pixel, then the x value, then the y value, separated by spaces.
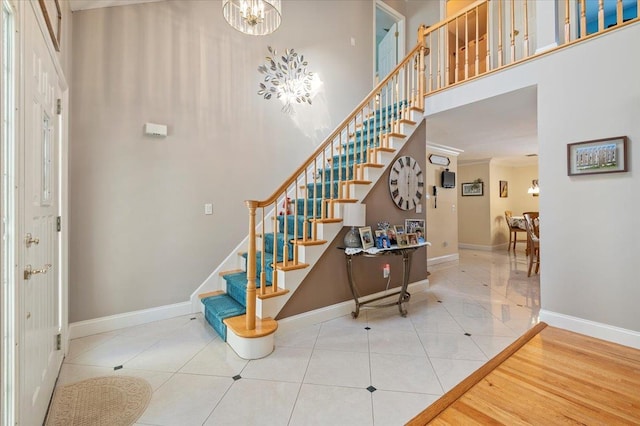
pixel 353 214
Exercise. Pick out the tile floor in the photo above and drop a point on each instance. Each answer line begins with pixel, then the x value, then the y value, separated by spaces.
pixel 379 369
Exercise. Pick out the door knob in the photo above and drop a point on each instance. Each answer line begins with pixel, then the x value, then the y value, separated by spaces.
pixel 28 271
pixel 28 240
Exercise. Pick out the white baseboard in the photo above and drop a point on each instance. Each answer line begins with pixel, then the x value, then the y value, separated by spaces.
pixel 128 319
pixel 497 247
pixel 598 330
pixel 327 313
pixel 475 247
pixel 443 259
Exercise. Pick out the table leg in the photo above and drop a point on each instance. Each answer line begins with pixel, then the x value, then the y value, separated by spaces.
pixel 352 286
pixel 406 269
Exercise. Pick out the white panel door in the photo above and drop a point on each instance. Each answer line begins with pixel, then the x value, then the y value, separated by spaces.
pixel 387 52
pixel 387 61
pixel 39 359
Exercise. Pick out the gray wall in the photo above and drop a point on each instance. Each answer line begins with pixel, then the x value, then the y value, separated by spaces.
pixel 139 237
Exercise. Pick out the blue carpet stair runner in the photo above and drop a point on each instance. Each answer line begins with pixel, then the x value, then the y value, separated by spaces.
pixel 233 302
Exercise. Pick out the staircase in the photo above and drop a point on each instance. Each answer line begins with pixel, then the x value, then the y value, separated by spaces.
pixel 294 226
pixel 290 230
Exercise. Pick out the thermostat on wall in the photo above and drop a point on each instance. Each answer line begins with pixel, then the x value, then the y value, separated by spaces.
pixel 155 129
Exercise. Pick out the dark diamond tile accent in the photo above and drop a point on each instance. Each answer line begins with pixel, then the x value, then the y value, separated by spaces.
pixel 467 334
pixel 117 367
pixel 237 377
pixel 367 328
pixel 371 389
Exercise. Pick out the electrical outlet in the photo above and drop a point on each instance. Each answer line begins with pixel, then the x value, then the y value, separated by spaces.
pixel 386 271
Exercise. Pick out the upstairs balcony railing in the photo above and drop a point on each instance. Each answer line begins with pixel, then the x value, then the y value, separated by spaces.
pixel 491 34
pixel 488 35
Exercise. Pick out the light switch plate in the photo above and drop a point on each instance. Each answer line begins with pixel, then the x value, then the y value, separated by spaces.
pixel 208 208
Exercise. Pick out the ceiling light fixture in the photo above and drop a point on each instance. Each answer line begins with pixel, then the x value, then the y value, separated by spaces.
pixel 254 17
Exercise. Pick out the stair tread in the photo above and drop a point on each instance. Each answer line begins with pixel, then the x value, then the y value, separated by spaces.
pixel 223 305
pixel 264 326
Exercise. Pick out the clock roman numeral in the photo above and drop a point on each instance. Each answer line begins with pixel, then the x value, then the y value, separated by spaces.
pixel 420 184
pixel 393 181
pixel 418 195
pixel 395 170
pixel 407 207
pixel 400 162
pixel 395 193
pixel 401 202
pixel 419 173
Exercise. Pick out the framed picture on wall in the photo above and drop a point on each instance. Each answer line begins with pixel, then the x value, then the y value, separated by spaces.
pixel 597 156
pixel 504 189
pixel 472 189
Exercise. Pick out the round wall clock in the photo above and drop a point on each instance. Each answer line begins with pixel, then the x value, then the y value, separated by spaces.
pixel 406 183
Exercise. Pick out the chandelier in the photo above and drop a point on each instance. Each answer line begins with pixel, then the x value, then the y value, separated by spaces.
pixel 254 17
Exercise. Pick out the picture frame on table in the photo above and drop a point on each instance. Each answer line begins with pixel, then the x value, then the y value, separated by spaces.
pixel 608 155
pixel 472 189
pixel 382 240
pixel 399 229
pixel 366 237
pixel 411 225
pixel 402 240
pixel 391 233
pixel 412 238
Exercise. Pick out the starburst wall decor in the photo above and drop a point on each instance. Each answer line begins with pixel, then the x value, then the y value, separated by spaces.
pixel 287 78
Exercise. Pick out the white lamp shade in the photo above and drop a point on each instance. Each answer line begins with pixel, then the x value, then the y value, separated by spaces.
pixel 354 214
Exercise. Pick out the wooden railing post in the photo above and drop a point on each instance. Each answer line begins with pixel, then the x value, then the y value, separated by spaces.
pixel 421 65
pixel 251 268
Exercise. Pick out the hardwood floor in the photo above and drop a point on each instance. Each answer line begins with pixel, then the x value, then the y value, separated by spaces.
pixel 549 376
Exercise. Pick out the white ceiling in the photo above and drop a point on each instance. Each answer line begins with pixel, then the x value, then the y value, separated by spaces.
pixel 503 127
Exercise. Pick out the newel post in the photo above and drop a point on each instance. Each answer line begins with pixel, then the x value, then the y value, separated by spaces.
pixel 251 268
pixel 422 30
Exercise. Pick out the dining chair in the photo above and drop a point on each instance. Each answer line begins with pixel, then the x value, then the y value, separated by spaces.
pixel 532 223
pixel 513 230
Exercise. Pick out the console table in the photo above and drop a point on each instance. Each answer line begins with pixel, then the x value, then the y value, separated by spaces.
pixel 403 295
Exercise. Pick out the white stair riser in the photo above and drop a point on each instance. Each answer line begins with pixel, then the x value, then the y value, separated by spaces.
pixel 359 190
pixel 310 254
pixel 373 173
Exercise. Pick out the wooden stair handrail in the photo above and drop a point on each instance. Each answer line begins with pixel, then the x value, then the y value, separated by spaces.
pixel 329 140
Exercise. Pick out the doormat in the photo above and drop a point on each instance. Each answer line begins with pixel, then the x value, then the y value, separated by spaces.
pixel 108 401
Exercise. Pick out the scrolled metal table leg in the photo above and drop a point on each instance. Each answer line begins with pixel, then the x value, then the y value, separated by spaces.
pixel 354 292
